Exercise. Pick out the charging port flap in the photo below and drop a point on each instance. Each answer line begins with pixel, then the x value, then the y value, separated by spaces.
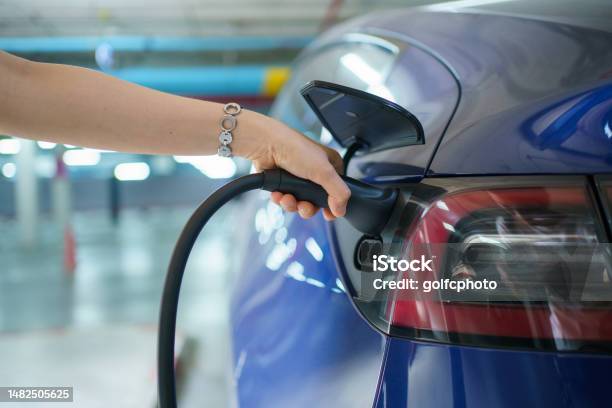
pixel 353 116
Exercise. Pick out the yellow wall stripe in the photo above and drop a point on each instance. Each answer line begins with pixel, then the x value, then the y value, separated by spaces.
pixel 275 78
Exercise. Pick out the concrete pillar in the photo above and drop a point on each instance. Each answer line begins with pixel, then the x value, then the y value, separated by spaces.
pixel 60 191
pixel 26 194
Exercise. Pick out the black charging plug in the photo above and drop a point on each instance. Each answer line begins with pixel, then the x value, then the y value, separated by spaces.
pixel 368 209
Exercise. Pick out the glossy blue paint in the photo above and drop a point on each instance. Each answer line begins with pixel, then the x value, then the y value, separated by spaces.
pixel 500 63
pixel 297 339
pixel 428 375
pixel 568 133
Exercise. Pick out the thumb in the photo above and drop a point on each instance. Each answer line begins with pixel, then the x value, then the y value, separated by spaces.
pixel 336 188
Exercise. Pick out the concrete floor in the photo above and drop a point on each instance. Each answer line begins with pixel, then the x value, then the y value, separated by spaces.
pixel 95 330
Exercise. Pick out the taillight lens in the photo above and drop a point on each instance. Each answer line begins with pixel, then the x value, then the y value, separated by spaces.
pixel 544 247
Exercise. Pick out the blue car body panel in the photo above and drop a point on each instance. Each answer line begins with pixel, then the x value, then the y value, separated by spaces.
pixel 297 339
pixel 569 133
pixel 501 64
pixel 519 96
pixel 427 375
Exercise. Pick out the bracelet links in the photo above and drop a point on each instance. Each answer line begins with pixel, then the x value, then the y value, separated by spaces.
pixel 228 123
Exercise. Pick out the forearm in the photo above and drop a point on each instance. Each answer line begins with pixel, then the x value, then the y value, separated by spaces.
pixel 64 104
pixel 77 106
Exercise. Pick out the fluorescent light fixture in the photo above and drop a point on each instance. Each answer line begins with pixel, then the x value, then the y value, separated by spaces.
pixel 315 282
pixel 9 170
pixel 102 150
pixel 339 285
pixel 295 270
pixel 46 145
pixel 10 146
pixel 81 157
pixel 455 6
pixel 448 227
pixel 362 69
pixel 315 250
pixel 442 205
pixel 382 91
pixel 105 56
pixel 132 171
pixel 214 167
pixel 280 253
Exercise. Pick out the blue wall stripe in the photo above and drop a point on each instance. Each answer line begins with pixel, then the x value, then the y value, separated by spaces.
pixel 136 43
pixel 215 80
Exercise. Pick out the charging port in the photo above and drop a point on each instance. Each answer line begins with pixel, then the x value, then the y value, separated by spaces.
pixel 365 250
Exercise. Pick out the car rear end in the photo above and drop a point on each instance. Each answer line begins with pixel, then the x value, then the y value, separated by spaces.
pixel 511 187
pixel 539 336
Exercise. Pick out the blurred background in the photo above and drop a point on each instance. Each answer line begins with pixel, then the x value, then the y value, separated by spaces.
pixel 85 235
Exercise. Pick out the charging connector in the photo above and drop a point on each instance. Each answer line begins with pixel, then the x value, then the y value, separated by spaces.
pixel 368 209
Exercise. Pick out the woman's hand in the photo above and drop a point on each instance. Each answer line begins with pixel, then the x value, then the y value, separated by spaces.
pixel 277 145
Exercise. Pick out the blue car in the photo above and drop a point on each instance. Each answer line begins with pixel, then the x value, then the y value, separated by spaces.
pixel 512 184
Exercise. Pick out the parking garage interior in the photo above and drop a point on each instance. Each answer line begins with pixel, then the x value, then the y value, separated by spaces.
pixel 86 234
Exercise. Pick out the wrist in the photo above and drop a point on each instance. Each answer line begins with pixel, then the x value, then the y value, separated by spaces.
pixel 252 138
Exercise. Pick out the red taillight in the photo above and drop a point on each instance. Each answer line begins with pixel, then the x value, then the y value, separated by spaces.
pixel 541 245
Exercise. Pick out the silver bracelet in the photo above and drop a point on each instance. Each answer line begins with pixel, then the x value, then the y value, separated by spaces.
pixel 228 124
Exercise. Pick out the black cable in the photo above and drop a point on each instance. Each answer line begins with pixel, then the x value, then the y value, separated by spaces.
pixel 166 384
pixel 368 210
pixel 350 152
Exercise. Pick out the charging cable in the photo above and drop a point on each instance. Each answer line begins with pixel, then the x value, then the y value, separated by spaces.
pixel 350 152
pixel 368 210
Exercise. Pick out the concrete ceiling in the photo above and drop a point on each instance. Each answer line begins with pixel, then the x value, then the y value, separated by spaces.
pixel 42 18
